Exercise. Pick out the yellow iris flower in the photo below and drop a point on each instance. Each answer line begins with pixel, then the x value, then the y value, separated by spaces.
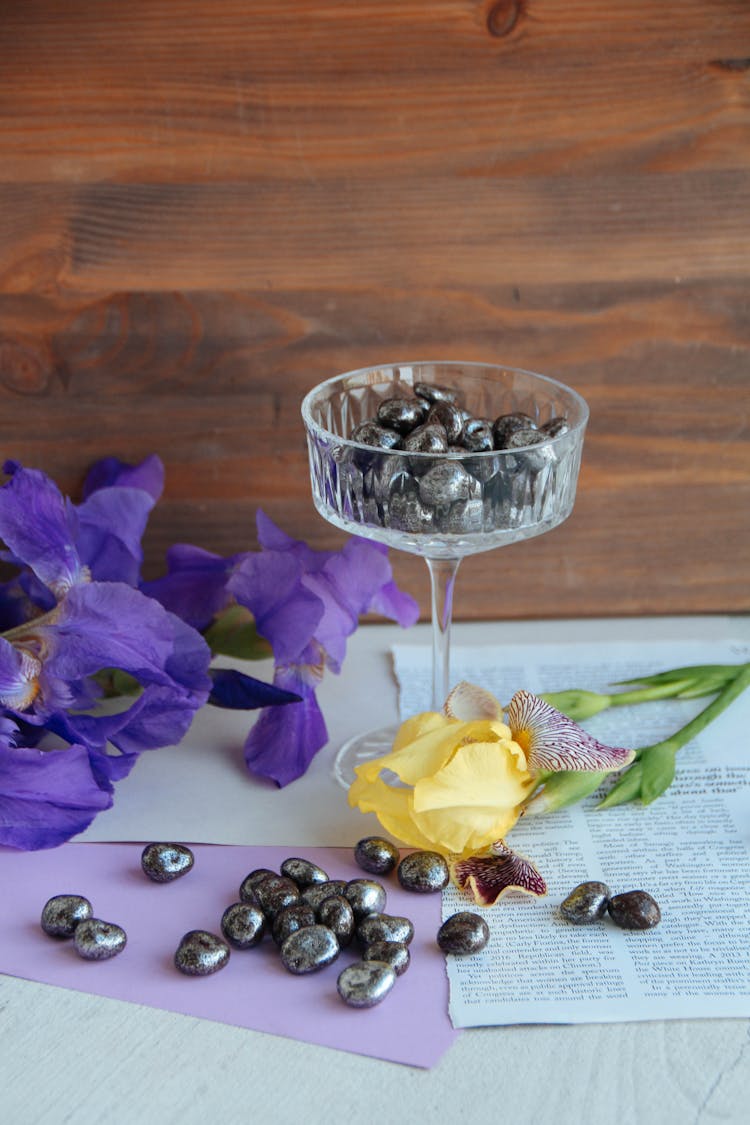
pixel 461 783
pixel 463 777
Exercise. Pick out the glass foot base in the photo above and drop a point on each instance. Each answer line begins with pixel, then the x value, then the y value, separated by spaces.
pixel 359 749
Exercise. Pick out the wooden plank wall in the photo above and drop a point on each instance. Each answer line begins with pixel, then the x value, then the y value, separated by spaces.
pixel 208 207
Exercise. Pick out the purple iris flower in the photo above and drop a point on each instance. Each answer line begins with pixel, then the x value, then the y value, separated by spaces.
pixel 194 586
pixel 61 544
pixel 79 567
pixel 78 608
pixel 39 526
pixel 306 603
pixel 45 796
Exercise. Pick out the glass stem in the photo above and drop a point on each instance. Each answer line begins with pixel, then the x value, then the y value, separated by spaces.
pixel 442 580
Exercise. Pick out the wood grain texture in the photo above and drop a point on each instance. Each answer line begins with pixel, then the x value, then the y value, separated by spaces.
pixel 204 210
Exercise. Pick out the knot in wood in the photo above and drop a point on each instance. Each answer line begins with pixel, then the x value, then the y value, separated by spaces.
pixel 738 65
pixel 503 16
pixel 24 368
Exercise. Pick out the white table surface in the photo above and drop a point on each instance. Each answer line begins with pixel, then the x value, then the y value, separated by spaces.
pixel 71 1057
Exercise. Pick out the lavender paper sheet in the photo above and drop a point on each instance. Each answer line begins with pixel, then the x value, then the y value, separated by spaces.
pixel 254 991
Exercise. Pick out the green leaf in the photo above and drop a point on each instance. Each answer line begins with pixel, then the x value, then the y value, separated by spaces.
pixel 657 771
pixel 696 674
pixel 233 633
pixel 628 788
pixel 114 683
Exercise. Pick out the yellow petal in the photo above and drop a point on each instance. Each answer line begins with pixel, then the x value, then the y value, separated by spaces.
pixel 483 775
pixel 458 830
pixel 416 726
pixel 428 754
pixel 488 730
pixel 424 754
pixel 393 808
pixel 409 732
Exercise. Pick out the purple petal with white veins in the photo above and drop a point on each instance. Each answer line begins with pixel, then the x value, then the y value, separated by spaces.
pixel 554 742
pixel 40 527
pixel 110 472
pixel 195 587
pixel 490 876
pixel 19 673
pixel 336 622
pixel 269 583
pixel 284 740
pixel 47 796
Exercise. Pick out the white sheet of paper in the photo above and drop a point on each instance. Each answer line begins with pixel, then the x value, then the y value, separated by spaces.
pixel 690 849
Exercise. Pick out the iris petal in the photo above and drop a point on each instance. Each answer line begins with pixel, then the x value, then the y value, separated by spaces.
pixel 422 753
pixel 284 740
pixel 393 808
pixel 488 877
pixel 355 580
pixel 110 526
pixel 111 472
pixel 47 796
pixel 286 614
pixel 195 586
pixel 417 755
pixel 553 742
pixel 39 526
pixel 19 672
pixel 480 775
pixel 391 602
pixel 108 625
pixel 468 701
pixel 474 798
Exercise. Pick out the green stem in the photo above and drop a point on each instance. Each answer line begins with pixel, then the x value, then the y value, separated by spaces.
pixel 645 695
pixel 683 683
pixel 732 690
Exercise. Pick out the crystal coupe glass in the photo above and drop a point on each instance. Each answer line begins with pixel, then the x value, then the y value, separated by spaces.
pixel 448 498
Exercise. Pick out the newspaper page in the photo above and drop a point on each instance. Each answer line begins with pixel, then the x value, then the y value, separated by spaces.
pixel 690 849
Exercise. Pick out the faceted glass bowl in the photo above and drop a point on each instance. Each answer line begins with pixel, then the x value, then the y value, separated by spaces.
pixel 410 500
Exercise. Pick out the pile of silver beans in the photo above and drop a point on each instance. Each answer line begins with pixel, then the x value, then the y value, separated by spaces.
pixel 308 915
pixel 441 493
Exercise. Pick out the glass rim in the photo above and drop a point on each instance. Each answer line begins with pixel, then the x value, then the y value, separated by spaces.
pixel 457 455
